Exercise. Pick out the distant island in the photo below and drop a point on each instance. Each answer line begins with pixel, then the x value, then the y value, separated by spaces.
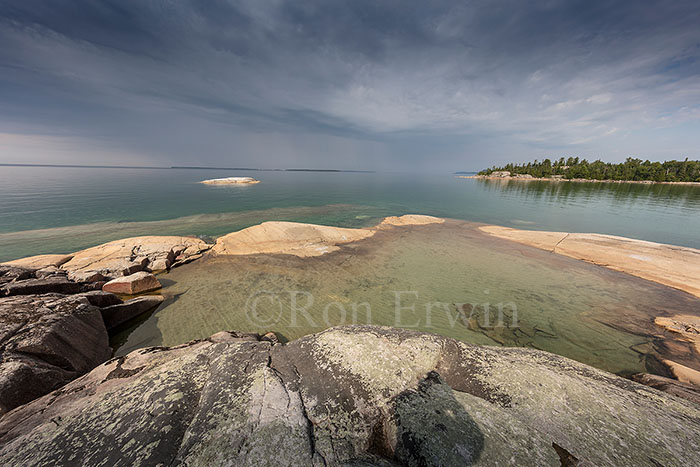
pixel 231 181
pixel 573 168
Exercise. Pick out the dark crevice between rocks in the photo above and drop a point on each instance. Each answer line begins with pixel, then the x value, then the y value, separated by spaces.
pixel 49 359
pixel 379 444
pixel 309 424
pixel 120 372
pixel 193 413
pixel 565 457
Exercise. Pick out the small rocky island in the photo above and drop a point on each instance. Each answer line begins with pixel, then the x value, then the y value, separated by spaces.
pixel 231 181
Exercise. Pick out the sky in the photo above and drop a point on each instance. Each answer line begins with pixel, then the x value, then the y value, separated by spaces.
pixel 414 85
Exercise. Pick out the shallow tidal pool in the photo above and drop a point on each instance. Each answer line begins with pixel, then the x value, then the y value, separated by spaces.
pixel 449 279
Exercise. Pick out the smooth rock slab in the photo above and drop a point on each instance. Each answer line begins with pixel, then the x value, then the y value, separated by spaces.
pixel 40 261
pixel 356 395
pixel 133 284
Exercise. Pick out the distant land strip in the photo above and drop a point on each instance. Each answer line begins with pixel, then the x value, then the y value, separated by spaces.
pixel 270 170
pixel 78 166
pixel 573 168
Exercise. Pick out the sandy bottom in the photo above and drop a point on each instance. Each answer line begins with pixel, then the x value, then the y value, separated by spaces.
pixel 597 316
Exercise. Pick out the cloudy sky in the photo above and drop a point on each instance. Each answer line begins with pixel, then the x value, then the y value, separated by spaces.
pixel 358 84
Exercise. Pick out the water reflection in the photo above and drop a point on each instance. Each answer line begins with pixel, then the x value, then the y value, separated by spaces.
pixel 621 193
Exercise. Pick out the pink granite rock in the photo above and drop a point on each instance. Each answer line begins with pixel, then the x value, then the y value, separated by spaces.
pixel 133 284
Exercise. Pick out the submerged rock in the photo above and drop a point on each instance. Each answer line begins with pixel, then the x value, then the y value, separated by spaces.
pixel 670 265
pixel 136 283
pixel 46 341
pixel 357 395
pixel 411 219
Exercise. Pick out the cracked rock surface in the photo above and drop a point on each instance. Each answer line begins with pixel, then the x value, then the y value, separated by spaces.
pixel 355 395
pixel 45 341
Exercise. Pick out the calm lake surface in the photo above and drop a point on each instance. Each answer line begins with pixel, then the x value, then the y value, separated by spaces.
pixel 60 210
pixel 549 302
pixel 588 313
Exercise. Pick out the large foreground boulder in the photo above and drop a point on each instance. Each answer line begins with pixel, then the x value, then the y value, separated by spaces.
pixel 45 341
pixel 357 395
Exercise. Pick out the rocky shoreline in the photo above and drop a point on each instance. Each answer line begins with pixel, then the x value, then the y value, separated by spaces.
pixel 58 311
pixel 559 178
pixel 389 389
pixel 357 395
pixel 673 266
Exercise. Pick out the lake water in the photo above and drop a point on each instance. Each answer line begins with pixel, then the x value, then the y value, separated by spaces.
pixel 549 302
pixel 60 210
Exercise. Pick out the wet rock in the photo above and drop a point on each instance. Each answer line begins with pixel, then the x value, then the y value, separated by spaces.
pixel 101 299
pixel 133 284
pixel 357 395
pixel 687 391
pixel 120 313
pixel 184 259
pixel 46 341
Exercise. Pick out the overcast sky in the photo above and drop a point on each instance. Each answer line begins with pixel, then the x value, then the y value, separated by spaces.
pixel 356 84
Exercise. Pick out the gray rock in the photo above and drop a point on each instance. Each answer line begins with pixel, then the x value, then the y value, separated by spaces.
pixel 13 273
pixel 120 313
pixel 45 342
pixel 56 284
pixel 102 299
pixel 86 276
pixel 49 271
pixel 357 395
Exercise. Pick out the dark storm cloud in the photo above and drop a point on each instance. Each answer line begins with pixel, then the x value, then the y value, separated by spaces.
pixel 285 82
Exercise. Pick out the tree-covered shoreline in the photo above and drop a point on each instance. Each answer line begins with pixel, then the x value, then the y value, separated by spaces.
pixel 630 170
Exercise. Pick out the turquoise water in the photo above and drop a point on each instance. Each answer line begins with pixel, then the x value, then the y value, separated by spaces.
pixel 52 210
